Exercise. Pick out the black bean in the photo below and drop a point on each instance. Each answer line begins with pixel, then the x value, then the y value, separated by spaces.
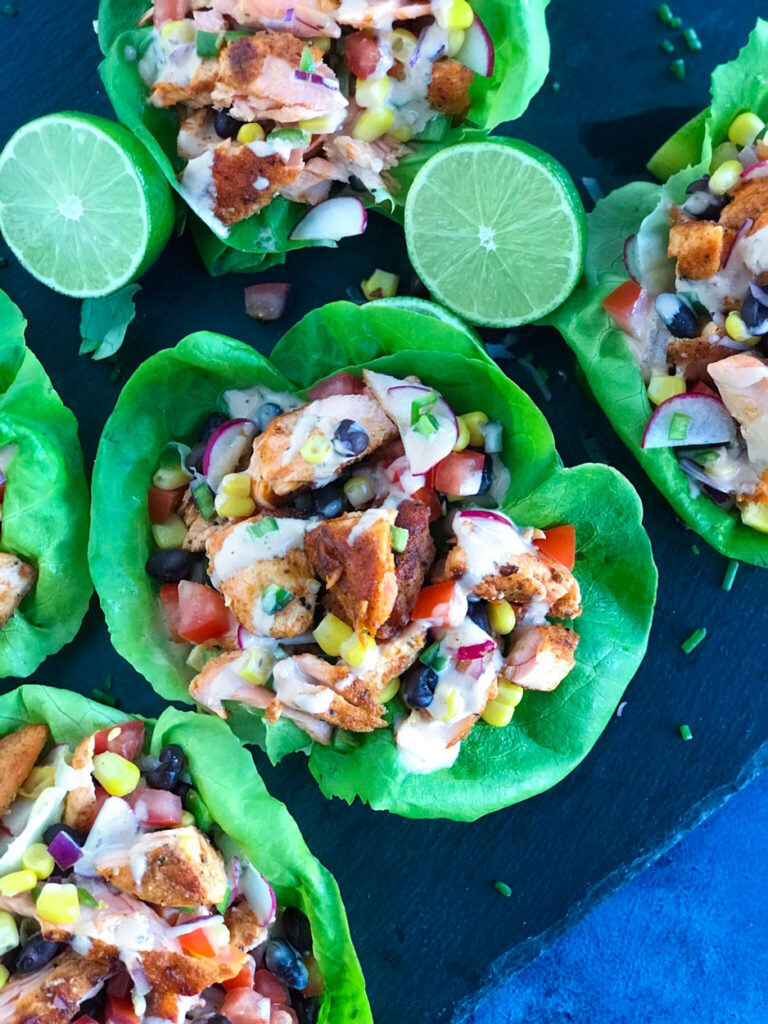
pixel 169 565
pixel 486 481
pixel 306 1008
pixel 286 964
pixel 266 413
pixel 166 773
pixel 478 612
pixel 297 929
pixel 328 501
pixel 225 126
pixel 217 1018
pixel 754 313
pixel 350 438
pixel 418 685
pixel 677 315
pixel 211 423
pixel 194 459
pixel 36 954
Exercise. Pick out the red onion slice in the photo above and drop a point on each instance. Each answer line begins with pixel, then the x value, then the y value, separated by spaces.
pixel 474 651
pixel 746 224
pixel 64 851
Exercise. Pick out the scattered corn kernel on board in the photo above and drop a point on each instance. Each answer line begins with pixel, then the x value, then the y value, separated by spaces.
pixel 431 927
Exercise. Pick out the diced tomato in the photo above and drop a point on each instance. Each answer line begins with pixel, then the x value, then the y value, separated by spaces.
pixel 85 1020
pixel 169 597
pixel 100 798
pixel 559 542
pixel 162 503
pixel 2 491
pixel 202 613
pixel 125 739
pixel 120 1011
pixel 700 388
pixel 156 808
pixel 244 979
pixel 361 55
pixel 459 473
pixel 244 1006
pixel 197 943
pixel 170 10
pixel 428 496
pixel 434 603
pixel 339 384
pixel 620 304
pixel 315 986
pixel 120 985
pixel 283 1015
pixel 268 985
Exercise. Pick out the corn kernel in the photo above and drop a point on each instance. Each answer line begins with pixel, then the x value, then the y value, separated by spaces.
pixel 178 32
pixel 316 448
pixel 497 714
pixel 36 858
pixel 509 693
pixel 661 387
pixel 320 125
pixel 187 819
pixel 372 124
pixel 745 128
pixel 116 774
pixel 58 904
pixel 17 881
pixel 403 132
pixel 331 633
pixel 251 133
pixel 9 932
pixel 456 39
pixel 372 92
pixel 238 485
pixel 389 691
pixel 737 329
pixel 501 616
pixel 4 975
pixel 380 285
pixel 755 516
pixel 323 43
pixel 402 43
pixel 256 666
pixel 359 490
pixel 234 508
pixel 168 478
pixel 475 421
pixel 38 780
pixel 451 706
pixel 725 177
pixel 455 14
pixel 463 439
pixel 355 648
pixel 171 533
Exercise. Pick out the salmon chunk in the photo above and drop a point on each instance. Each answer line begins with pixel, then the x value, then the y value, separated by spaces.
pixel 16 580
pixel 199 529
pixel 317 688
pixel 245 183
pixel 53 996
pixel 448 91
pixel 19 752
pixel 749 202
pixel 693 355
pixel 540 656
pixel 195 93
pixel 80 803
pixel 697 246
pixel 411 566
pixel 742 380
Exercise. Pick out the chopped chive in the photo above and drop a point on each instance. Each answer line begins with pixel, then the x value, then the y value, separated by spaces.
pixel 222 907
pixel 399 539
pixel 677 70
pixel 201 492
pixel 85 898
pixel 555 87
pixel 675 22
pixel 264 526
pixel 207 44
pixel 275 598
pixel 664 14
pixel 685 732
pixel 503 888
pixel 306 63
pixel 695 549
pixel 693 640
pixel 11 11
pixel 692 40
pixel 434 657
pixel 666 45
pixel 730 574
pixel 678 426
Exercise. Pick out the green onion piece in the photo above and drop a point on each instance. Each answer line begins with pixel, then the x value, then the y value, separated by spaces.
pixel 85 898
pixel 555 87
pixel 695 549
pixel 666 45
pixel 232 37
pixel 678 426
pixel 201 492
pixel 677 69
pixel 207 44
pixel 275 598
pixel 399 538
pixel 222 907
pixel 730 574
pixel 426 425
pixel 194 803
pixel 693 640
pixel 306 63
pixel 264 526
pixel 692 40
pixel 434 657
pixel 503 888
pixel 675 22
pixel 422 406
pixel 186 910
pixel 664 13
pixel 103 697
pixel 685 732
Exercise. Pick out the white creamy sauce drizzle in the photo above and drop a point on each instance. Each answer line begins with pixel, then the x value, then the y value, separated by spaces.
pixel 295 688
pixel 199 190
pixel 245 403
pixel 366 520
pixel 314 419
pixel 157 64
pixel 241 548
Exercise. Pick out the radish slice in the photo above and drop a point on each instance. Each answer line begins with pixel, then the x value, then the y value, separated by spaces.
pixel 398 400
pixel 471 652
pixel 628 254
pixel 484 513
pixel 756 170
pixel 226 447
pixel 477 52
pixel 331 220
pixel 691 419
pixel 257 890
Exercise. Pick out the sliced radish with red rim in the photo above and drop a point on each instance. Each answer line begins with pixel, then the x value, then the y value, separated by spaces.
pixel 225 448
pixel 689 420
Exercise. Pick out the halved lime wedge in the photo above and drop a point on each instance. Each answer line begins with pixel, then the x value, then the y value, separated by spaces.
pixel 496 231
pixel 83 205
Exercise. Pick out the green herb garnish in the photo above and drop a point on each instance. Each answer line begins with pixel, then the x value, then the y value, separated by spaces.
pixel 399 538
pixel 207 44
pixel 692 40
pixel 434 657
pixel 678 426
pixel 426 425
pixel 693 641
pixel 503 888
pixel 264 526
pixel 677 69
pixel 222 907
pixel 86 899
pixel 307 62
pixel 664 13
pixel 685 732
pixel 104 321
pixel 730 574
pixel 201 492
pixel 666 45
pixel 275 598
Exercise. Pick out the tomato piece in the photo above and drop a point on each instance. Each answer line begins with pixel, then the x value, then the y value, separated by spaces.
pixel 85 1019
pixel 2 490
pixel 244 979
pixel 157 808
pixel 162 503
pixel 202 613
pixel 170 10
pixel 244 1006
pixel 621 303
pixel 700 388
pixel 559 542
pixel 361 55
pixel 120 1011
pixel 388 453
pixel 339 384
pixel 169 598
pixel 197 943
pixel 434 603
pixel 459 473
pixel 268 985
pixel 428 496
pixel 125 739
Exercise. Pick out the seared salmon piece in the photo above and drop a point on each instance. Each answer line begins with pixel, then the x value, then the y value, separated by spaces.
pixel 411 566
pixel 313 184
pixel 353 556
pixel 742 380
pixel 540 656
pixel 169 971
pixel 698 247
pixel 368 161
pixel 316 687
pixel 448 91
pixel 196 93
pixel 53 995
pixel 80 803
pixel 749 202
pixel 693 356
pixel 180 868
pixel 19 752
pixel 16 580
pixel 380 13
pixel 310 17
pixel 199 529
pixel 245 932
pixel 245 183
pixel 277 466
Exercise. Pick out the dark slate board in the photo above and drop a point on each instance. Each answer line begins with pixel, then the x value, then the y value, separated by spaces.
pixel 430 928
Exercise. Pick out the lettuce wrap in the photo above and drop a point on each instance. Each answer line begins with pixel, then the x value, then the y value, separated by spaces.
pixel 642 209
pixel 45 510
pixel 257 824
pixel 516 27
pixel 170 393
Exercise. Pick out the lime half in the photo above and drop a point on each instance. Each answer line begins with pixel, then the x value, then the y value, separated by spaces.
pixel 496 231
pixel 415 305
pixel 83 205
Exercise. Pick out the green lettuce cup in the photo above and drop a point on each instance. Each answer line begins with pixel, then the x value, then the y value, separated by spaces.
pixel 520 43
pixel 45 507
pixel 642 209
pixel 173 391
pixel 235 798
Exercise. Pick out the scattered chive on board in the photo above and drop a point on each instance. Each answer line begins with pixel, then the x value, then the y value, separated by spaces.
pixel 503 888
pixel 693 641
pixel 730 574
pixel 675 22
pixel 664 14
pixel 666 45
pixel 685 732
pixel 692 40
pixel 677 69
pixel 695 549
